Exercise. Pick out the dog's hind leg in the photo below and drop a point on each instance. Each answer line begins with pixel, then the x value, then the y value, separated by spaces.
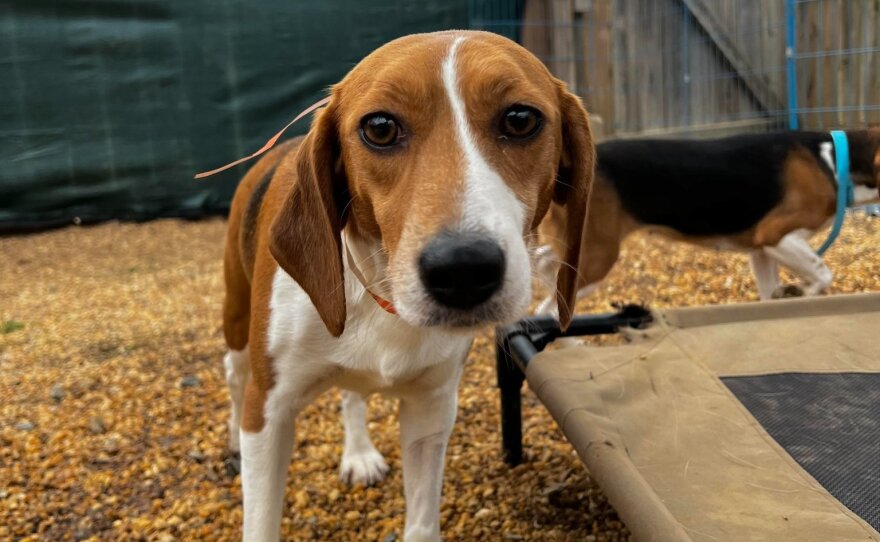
pixel 766 272
pixel 795 253
pixel 236 322
pixel 361 461
pixel 237 368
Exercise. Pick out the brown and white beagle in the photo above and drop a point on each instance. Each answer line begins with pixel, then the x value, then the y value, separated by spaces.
pixel 365 255
pixel 765 194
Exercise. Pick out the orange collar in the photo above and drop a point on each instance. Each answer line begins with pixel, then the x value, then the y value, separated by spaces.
pixel 384 303
pixel 388 306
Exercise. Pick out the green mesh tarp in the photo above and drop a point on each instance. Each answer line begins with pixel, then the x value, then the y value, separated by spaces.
pixel 110 106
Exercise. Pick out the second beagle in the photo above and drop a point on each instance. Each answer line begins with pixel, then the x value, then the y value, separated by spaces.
pixel 365 255
pixel 764 194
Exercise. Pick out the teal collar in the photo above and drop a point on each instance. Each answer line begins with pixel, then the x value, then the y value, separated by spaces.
pixel 845 194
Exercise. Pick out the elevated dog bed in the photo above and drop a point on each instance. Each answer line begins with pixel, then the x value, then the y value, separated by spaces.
pixel 757 421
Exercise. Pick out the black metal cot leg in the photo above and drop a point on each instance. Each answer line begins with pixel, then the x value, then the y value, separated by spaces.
pixel 516 345
pixel 510 381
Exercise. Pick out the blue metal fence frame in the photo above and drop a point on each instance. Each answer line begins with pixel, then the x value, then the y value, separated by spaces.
pixel 791 64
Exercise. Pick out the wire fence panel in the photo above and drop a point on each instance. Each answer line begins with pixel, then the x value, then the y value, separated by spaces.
pixel 837 62
pixel 689 67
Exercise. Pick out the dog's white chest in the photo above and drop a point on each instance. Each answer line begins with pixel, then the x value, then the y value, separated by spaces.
pixel 377 351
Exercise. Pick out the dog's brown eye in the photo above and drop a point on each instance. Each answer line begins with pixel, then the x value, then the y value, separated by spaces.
pixel 380 130
pixel 520 122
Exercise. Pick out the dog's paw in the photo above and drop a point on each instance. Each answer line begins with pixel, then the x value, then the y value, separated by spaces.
pixel 364 468
pixel 788 290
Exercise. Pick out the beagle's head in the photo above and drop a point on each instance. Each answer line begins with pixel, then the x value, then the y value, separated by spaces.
pixel 444 151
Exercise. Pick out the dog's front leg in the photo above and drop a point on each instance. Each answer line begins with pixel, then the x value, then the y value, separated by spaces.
pixel 426 420
pixel 265 457
pixel 795 253
pixel 361 461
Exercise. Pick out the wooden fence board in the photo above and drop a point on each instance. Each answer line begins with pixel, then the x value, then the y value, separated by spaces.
pixel 670 66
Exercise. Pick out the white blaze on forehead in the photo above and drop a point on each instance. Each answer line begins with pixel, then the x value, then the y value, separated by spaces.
pixel 488 205
pixel 488 202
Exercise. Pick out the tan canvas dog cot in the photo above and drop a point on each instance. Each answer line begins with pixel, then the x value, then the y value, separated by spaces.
pixel 756 421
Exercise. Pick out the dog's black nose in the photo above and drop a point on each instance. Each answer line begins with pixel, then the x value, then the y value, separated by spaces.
pixel 461 270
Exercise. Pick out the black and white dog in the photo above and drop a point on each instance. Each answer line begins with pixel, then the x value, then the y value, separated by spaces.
pixel 765 194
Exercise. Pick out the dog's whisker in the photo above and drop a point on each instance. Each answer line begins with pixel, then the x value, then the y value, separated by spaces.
pixel 348 204
pixel 379 250
pixel 567 265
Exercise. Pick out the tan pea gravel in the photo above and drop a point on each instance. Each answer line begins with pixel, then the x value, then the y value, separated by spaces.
pixel 113 405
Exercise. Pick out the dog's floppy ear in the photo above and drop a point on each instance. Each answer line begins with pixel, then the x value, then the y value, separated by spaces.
pixel 306 236
pixel 573 185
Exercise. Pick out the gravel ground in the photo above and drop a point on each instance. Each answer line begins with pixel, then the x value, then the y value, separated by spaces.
pixel 113 405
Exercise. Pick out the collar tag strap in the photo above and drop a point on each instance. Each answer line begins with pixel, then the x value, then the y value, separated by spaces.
pixel 845 196
pixel 386 305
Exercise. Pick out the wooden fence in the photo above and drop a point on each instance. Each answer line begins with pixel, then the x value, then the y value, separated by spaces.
pixel 679 67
